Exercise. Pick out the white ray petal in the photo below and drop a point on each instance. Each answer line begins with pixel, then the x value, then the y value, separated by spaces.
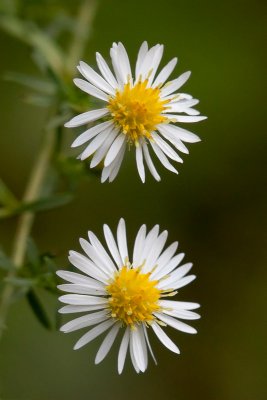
pixel 74 277
pixel 90 89
pixel 148 344
pixel 111 243
pixel 166 148
pixel 81 289
pixel 85 321
pixel 174 85
pixel 140 163
pixel 139 245
pixel 172 263
pixel 177 143
pixel 101 252
pixel 165 257
pixel 107 343
pixel 114 149
pixel 105 71
pixel 122 240
pixel 134 362
pixel 155 251
pixel 103 149
pixel 82 300
pixel 164 338
pixel 123 350
pixel 70 309
pixel 149 243
pixel 165 73
pixel 186 118
pixel 102 264
pixel 93 333
pixel 155 63
pixel 182 314
pixel 140 58
pixel 149 163
pixel 91 133
pixel 174 323
pixel 85 118
pixel 95 78
pixel 85 265
pixel 180 133
pixel 162 158
pixel 138 349
pixel 124 62
pixel 96 143
pixel 117 163
pixel 178 305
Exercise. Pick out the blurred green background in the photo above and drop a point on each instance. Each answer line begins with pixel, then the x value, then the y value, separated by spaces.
pixel 215 207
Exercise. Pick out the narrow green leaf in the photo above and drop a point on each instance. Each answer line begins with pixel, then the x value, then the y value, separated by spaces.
pixel 7 198
pixel 5 262
pixel 21 282
pixel 48 203
pixel 37 84
pixel 38 310
pixel 33 256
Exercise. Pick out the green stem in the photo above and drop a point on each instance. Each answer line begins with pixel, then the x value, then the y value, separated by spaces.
pixel 82 33
pixel 26 220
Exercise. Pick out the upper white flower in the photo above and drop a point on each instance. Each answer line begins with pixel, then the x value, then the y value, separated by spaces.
pixel 141 108
pixel 119 294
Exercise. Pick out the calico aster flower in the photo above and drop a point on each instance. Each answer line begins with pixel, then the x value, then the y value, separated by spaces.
pixel 141 109
pixel 129 297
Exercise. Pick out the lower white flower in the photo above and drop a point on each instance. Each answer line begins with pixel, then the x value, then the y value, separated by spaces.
pixel 118 295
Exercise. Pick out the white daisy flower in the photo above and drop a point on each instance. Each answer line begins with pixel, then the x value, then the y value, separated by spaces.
pixel 141 109
pixel 132 297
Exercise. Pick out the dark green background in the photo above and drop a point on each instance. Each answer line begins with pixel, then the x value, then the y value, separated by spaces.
pixel 215 207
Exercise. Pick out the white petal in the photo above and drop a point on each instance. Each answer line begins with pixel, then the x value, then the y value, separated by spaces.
pixel 105 71
pixel 177 143
pixel 116 64
pixel 148 344
pixel 69 309
pixel 103 149
pixel 147 64
pixel 165 257
pixel 81 289
pixel 103 255
pixel 91 133
pixel 139 245
pixel 150 239
pixel 86 117
pixel 186 118
pixel 139 162
pixel 155 251
pixel 114 149
pixel 73 277
pixel 134 362
pixel 123 350
pixel 174 323
pixel 174 85
pixel 180 105
pixel 166 148
pixel 180 272
pixel 85 265
pixel 107 343
pixel 191 111
pixel 122 240
pixel 100 263
pixel 150 164
pixel 164 338
pixel 82 300
pixel 85 321
pixel 117 163
pixel 124 62
pixel 90 89
pixel 93 333
pixel 178 305
pixel 162 158
pixel 176 284
pixel 182 314
pixel 96 143
pixel 165 73
pixel 140 58
pixel 168 267
pixel 95 78
pixel 112 246
pixel 155 63
pixel 138 349
pixel 180 133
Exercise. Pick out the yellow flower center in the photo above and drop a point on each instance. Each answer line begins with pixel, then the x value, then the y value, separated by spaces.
pixel 137 110
pixel 133 296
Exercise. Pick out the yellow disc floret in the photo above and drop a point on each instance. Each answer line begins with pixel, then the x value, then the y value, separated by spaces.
pixel 137 110
pixel 133 296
